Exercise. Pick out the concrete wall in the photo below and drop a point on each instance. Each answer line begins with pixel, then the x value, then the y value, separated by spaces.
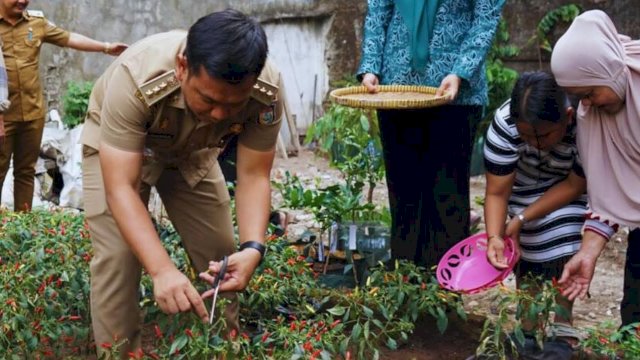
pixel 312 41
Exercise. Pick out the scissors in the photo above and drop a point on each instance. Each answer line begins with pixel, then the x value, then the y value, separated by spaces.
pixel 216 286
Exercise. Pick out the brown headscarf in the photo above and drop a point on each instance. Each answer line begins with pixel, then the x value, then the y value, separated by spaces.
pixel 592 53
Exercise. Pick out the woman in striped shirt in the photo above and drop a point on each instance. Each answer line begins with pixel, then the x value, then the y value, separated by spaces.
pixel 535 178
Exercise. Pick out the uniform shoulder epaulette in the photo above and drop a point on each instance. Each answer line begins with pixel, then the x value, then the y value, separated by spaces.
pixel 35 13
pixel 158 88
pixel 265 92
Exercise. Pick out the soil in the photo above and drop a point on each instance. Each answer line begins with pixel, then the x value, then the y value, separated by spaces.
pixel 460 339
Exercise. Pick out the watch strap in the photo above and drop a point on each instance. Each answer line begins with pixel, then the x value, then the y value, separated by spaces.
pixel 254 245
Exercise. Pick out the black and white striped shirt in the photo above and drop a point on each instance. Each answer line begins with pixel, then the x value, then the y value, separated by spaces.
pixel 558 233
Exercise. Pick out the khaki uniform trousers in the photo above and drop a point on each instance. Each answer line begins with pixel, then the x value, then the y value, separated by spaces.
pixel 201 216
pixel 22 140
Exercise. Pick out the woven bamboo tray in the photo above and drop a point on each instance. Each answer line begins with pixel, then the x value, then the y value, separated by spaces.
pixel 389 97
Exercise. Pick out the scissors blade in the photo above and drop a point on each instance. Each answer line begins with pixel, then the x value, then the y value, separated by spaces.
pixel 213 304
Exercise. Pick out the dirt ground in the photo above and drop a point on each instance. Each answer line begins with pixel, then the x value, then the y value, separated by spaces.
pixel 460 339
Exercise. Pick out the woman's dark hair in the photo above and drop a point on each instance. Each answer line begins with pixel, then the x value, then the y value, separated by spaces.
pixel 537 97
pixel 228 45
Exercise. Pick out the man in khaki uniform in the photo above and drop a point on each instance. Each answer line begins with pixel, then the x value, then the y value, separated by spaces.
pixel 23 33
pixel 157 117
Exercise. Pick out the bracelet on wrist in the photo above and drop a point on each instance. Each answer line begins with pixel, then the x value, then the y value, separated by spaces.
pixel 107 48
pixel 494 237
pixel 256 245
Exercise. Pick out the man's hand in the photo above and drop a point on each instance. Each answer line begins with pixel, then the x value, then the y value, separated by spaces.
pixel 371 82
pixel 174 293
pixel 240 268
pixel 115 49
pixel 449 86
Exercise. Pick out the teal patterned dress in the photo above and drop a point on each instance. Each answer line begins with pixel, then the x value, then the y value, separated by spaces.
pixel 427 151
pixel 462 36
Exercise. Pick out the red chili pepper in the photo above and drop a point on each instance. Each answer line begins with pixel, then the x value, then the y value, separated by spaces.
pixel 188 332
pixel 75 317
pixel 106 345
pixel 158 332
pixel 315 355
pixel 307 346
pixel 265 336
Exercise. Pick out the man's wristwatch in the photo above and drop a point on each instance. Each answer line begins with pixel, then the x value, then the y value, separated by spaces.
pixel 254 245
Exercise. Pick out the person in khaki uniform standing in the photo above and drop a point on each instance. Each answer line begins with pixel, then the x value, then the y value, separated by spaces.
pixel 158 117
pixel 23 33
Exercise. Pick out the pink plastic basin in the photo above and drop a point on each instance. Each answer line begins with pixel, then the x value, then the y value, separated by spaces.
pixel 466 269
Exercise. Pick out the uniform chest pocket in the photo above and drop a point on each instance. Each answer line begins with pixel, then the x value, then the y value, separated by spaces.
pixel 32 43
pixel 27 49
pixel 32 37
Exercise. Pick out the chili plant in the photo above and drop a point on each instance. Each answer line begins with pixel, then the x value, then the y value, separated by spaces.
pixel 609 342
pixel 535 308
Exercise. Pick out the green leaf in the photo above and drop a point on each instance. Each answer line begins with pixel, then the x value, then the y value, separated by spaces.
pixel 178 344
pixel 337 310
pixel 364 122
pixel 356 331
pixel 392 344
pixel 442 321
pixel 366 330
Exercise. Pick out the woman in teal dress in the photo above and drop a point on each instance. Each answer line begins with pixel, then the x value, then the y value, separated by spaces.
pixel 427 152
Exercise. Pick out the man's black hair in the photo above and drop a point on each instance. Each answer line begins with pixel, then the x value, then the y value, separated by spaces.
pixel 227 45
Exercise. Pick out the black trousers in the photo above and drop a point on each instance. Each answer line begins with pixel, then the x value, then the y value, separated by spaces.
pixel 427 155
pixel 630 306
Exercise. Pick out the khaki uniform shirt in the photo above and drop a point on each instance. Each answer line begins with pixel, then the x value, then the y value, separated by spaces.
pixel 21 47
pixel 137 105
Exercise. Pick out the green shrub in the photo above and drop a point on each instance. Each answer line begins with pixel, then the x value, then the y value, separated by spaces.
pixel 75 103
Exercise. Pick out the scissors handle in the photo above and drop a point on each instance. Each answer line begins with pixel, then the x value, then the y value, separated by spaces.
pixel 221 273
